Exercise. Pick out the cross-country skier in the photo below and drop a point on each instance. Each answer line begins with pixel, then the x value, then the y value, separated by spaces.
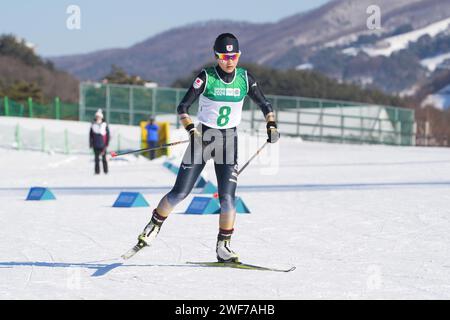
pixel 221 90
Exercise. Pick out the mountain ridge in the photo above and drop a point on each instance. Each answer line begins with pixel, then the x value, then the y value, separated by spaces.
pixel 174 53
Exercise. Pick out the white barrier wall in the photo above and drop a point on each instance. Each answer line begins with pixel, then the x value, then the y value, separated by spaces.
pixel 60 135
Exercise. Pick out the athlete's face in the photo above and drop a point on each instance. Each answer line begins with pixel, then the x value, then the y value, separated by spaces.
pixel 228 65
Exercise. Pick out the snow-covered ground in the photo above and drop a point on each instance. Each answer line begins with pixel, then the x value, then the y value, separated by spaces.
pixel 356 221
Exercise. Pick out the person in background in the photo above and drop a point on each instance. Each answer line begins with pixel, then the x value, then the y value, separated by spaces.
pixel 152 135
pixel 99 140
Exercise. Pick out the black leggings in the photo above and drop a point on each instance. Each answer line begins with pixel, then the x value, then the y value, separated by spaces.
pixel 223 149
pixel 97 153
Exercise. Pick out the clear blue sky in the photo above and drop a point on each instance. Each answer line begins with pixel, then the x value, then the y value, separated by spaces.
pixel 107 24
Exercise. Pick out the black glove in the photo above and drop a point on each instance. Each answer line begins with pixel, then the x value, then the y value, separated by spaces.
pixel 194 134
pixel 272 132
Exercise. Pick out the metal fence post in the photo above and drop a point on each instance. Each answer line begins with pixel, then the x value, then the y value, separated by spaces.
pixel 30 107
pixel 57 108
pixel 6 103
pixel 131 108
pixel 380 123
pixel 321 120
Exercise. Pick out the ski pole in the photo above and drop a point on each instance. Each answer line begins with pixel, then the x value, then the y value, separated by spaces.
pixel 254 156
pixel 166 145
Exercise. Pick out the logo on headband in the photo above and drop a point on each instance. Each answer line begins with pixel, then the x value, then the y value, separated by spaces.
pixel 229 47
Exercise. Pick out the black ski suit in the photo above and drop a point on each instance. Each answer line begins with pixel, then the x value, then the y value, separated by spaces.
pixel 226 167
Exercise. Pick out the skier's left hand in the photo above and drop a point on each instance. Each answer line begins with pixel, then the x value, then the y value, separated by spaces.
pixel 272 133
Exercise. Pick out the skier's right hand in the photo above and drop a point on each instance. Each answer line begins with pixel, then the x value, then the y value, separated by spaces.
pixel 194 134
pixel 272 132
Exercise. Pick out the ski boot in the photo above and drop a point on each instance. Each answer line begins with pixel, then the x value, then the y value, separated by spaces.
pixel 147 236
pixel 151 230
pixel 224 252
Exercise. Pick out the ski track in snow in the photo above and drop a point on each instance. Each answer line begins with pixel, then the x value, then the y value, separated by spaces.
pixel 358 222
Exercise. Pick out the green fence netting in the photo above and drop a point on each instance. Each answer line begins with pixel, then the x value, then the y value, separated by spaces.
pixel 311 119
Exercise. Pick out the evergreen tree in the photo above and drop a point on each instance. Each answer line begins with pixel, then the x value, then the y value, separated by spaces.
pixel 119 76
pixel 11 46
pixel 20 91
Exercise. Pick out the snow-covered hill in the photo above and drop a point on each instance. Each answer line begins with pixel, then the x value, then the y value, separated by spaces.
pixel 387 46
pixel 433 63
pixel 440 99
pixel 401 41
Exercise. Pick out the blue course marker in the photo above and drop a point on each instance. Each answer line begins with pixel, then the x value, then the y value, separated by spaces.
pixel 40 193
pixel 130 199
pixel 211 205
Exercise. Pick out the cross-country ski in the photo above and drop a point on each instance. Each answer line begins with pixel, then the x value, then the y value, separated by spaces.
pixel 239 265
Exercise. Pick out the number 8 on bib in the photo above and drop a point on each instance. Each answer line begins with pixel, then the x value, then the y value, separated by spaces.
pixel 224 113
